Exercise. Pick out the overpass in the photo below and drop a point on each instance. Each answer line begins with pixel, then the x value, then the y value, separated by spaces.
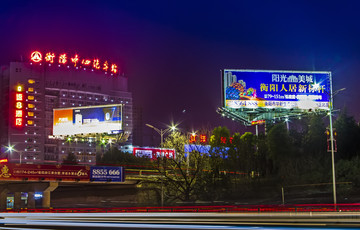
pixel 30 185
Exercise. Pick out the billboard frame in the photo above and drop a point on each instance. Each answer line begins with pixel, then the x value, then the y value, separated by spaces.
pixel 90 107
pixel 247 115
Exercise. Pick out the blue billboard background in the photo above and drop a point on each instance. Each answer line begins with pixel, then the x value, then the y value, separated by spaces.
pixel 105 173
pixel 288 89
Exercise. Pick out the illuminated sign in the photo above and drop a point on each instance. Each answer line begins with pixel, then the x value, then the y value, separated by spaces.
pixel 35 172
pixel 90 119
pixel 202 138
pixel 154 153
pixel 36 56
pixel 258 122
pixel 276 89
pixel 75 60
pixel 19 100
pixel 106 173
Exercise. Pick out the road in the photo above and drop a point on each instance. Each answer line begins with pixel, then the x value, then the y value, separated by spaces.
pixel 266 221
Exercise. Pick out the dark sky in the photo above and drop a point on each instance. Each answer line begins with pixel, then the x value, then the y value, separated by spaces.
pixel 172 51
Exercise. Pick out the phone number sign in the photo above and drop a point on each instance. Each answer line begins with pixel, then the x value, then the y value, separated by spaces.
pixel 105 173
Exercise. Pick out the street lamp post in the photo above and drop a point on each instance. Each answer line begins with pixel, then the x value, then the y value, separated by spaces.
pixel 162 132
pixel 332 139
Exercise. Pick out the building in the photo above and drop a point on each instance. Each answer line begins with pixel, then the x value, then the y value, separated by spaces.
pixel 32 89
pixel 138 126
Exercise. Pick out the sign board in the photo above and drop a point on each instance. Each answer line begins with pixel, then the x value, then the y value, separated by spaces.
pixel 11 171
pixel 105 173
pixel 276 89
pixel 154 153
pixel 75 60
pixel 90 119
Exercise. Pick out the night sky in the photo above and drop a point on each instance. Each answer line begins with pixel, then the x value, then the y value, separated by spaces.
pixel 173 51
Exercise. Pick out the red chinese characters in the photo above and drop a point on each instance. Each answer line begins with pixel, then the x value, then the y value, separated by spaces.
pixel 64 58
pixel 19 98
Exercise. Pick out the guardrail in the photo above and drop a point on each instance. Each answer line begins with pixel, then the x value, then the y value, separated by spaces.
pixel 228 208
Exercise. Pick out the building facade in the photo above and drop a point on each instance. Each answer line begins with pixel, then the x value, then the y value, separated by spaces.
pixel 35 89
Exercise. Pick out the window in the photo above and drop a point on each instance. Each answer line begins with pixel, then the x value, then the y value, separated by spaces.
pixel 31 106
pixel 30 122
pixel 31 89
pixel 31 81
pixel 30 98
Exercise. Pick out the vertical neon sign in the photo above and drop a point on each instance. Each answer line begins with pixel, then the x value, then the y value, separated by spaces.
pixel 19 100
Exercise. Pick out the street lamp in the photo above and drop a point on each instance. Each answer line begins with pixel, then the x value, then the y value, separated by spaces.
pixel 162 132
pixel 332 138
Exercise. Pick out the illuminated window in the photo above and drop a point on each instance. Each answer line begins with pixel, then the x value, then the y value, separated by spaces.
pixel 31 89
pixel 18 113
pixel 31 106
pixel 31 81
pixel 30 114
pixel 19 105
pixel 31 98
pixel 30 122
pixel 18 122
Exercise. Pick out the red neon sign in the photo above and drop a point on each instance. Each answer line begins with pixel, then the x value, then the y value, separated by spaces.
pixel 19 98
pixel 64 58
pixel 36 56
pixel 49 57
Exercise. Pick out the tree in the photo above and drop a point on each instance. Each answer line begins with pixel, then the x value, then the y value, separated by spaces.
pixel 116 156
pixel 181 176
pixel 348 136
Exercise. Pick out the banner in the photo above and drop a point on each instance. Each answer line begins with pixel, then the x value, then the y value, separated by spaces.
pixel 105 173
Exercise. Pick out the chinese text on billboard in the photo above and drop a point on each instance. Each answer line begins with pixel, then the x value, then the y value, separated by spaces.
pixel 276 89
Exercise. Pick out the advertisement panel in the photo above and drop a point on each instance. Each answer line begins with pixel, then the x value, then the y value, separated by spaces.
pixel 105 173
pixel 10 171
pixel 276 89
pixel 154 153
pixel 90 119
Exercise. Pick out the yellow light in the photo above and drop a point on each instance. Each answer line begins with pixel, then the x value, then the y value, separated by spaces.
pixel 31 98
pixel 31 81
pixel 31 106
pixel 30 114
pixel 30 122
pixel 31 89
pixel 19 88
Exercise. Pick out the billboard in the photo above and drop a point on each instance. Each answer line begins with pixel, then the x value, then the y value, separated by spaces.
pixel 154 153
pixel 276 89
pixel 90 119
pixel 10 171
pixel 106 173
